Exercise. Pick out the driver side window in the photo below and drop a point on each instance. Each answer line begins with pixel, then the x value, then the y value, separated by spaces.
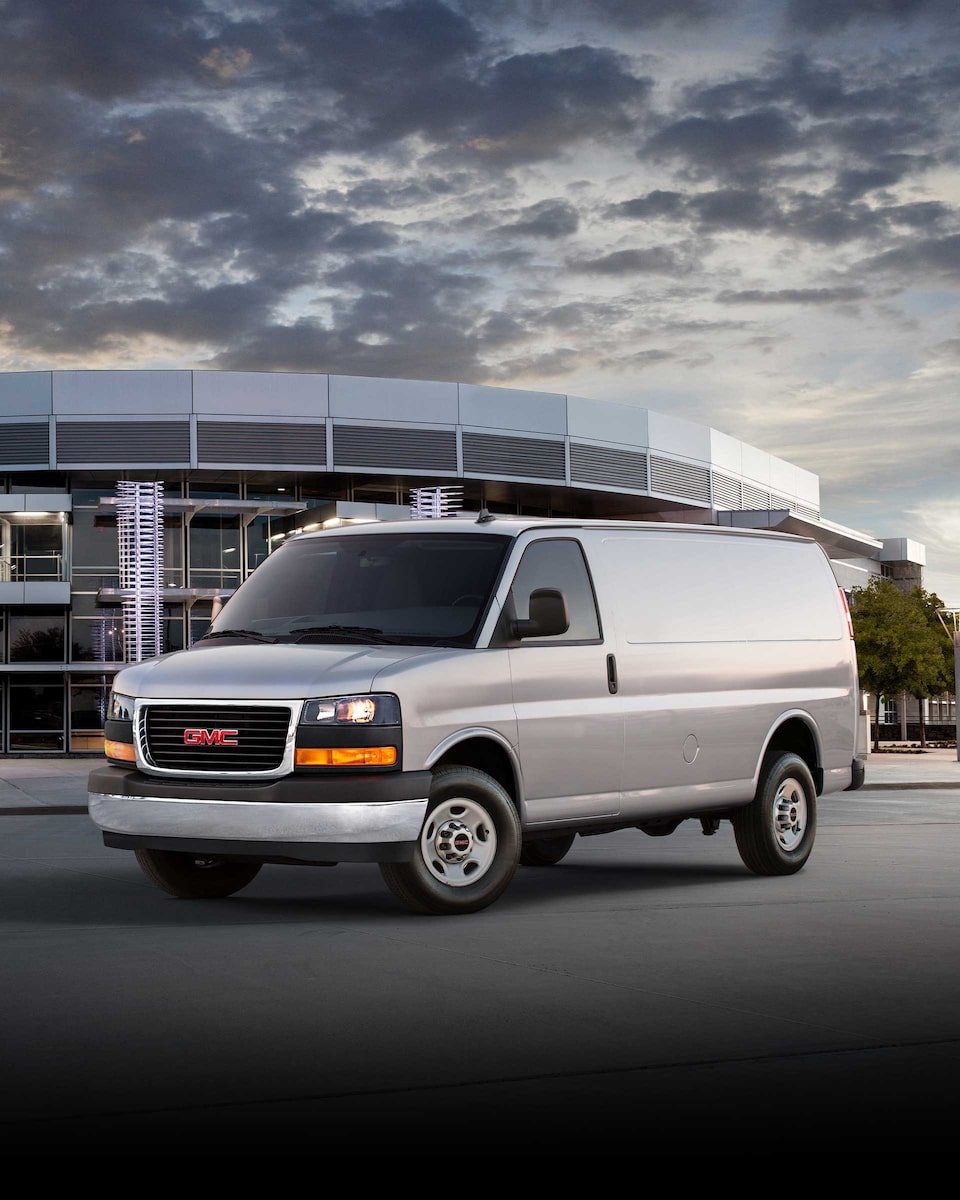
pixel 558 563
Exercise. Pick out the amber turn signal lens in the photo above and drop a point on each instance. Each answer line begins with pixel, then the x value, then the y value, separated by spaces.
pixel 121 750
pixel 347 756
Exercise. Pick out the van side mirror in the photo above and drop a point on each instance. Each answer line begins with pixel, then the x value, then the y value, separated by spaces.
pixel 549 615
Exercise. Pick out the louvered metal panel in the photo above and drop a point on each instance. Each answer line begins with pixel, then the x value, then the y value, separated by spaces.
pixel 394 449
pixel 527 458
pixel 259 734
pixel 24 442
pixel 249 442
pixel 679 479
pixel 726 491
pixel 806 510
pixel 754 497
pixel 123 442
pixel 608 465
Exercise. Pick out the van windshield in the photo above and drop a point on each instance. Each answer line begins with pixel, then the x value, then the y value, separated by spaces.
pixel 406 588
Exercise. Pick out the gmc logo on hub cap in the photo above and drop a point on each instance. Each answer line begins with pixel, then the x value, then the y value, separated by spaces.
pixel 210 737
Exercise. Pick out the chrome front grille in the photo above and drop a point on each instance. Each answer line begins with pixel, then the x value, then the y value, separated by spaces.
pixel 214 737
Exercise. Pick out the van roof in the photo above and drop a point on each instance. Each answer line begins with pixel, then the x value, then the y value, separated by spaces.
pixel 512 526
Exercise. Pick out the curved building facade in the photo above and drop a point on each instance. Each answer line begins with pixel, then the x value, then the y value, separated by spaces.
pixel 246 458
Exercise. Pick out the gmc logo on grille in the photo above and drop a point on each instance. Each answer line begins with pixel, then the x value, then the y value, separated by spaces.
pixel 210 737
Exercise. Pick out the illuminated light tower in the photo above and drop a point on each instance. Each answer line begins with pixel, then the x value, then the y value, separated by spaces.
pixel 430 503
pixel 140 537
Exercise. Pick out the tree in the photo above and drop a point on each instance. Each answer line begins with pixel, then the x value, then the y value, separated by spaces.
pixel 933 675
pixel 897 649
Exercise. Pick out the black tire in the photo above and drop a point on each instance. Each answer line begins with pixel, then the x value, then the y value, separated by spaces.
pixel 193 876
pixel 468 849
pixel 545 852
pixel 775 832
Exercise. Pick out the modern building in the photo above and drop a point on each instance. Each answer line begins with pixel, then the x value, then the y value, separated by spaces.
pixel 247 458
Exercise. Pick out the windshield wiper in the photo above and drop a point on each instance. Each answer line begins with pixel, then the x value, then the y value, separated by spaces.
pixel 238 633
pixel 350 633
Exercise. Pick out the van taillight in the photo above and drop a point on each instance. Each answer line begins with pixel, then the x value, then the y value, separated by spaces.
pixel 846 610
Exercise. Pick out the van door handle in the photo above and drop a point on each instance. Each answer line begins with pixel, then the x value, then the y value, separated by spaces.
pixel 612 674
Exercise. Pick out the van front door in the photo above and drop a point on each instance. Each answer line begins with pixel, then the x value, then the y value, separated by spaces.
pixel 569 722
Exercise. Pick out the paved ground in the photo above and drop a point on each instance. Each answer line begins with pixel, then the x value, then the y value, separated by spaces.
pixel 644 992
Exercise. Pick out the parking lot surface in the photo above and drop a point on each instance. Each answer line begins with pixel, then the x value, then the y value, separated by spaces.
pixel 646 992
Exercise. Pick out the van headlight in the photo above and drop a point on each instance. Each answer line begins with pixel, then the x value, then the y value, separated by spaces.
pixel 379 709
pixel 120 707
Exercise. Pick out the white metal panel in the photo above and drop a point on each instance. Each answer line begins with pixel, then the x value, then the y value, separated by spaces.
pixel 726 453
pixel 23 393
pixel 109 392
pixel 35 502
pixel 808 487
pixel 903 550
pixel 756 465
pixel 393 399
pixel 674 435
pixel 783 477
pixel 603 421
pixel 512 408
pixel 260 393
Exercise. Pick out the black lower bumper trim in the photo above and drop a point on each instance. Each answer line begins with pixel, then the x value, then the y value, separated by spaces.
pixel 379 787
pixel 295 853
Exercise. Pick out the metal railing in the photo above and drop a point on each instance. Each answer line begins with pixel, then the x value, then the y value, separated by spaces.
pixel 31 568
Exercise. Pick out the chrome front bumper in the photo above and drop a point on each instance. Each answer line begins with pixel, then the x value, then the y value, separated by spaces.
pixel 225 820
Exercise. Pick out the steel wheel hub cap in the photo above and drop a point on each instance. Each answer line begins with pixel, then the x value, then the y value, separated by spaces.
pixel 790 814
pixel 453 841
pixel 459 842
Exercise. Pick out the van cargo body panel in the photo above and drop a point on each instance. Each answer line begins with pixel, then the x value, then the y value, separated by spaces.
pixel 718 641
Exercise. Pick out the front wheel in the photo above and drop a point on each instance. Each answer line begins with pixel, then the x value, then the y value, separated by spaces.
pixel 193 876
pixel 775 832
pixel 467 851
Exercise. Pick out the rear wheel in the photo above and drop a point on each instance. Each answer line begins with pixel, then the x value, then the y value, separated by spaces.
pixel 545 852
pixel 467 851
pixel 775 833
pixel 194 876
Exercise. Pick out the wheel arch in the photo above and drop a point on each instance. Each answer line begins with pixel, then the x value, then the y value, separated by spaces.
pixel 795 732
pixel 486 750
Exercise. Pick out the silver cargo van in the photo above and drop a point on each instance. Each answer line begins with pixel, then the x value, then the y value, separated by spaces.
pixel 450 698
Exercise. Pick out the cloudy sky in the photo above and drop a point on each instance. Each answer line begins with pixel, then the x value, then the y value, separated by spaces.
pixel 743 212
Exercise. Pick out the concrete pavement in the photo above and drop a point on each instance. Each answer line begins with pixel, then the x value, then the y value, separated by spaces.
pixel 644 993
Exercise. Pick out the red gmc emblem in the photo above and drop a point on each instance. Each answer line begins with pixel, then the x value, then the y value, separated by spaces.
pixel 210 737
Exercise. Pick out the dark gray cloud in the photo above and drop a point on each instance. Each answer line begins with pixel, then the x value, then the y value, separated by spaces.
pixel 928 256
pixel 831 217
pixel 827 16
pixel 547 218
pixel 355 185
pixel 617 14
pixel 655 204
pixel 658 260
pixel 155 171
pixel 828 295
pixel 730 146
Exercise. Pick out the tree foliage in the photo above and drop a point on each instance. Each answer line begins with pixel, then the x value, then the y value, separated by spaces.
pixel 901 646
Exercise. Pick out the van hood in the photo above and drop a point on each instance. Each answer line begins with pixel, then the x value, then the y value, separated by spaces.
pixel 252 671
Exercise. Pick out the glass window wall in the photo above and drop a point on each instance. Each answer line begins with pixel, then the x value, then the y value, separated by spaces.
pixel 215 560
pixel 36 636
pixel 31 548
pixel 36 713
